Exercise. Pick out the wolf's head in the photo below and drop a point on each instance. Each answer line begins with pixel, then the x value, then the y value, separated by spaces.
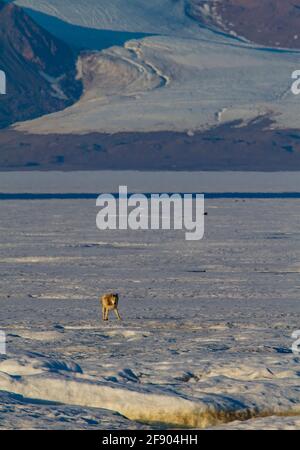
pixel 115 299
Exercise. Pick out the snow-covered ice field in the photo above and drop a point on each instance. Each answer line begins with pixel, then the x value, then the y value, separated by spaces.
pixel 206 336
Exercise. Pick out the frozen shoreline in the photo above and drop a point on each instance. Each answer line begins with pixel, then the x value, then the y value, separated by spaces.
pixel 139 181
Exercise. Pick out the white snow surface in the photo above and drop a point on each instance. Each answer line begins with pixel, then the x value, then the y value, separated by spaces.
pixel 183 78
pixel 155 17
pixel 205 339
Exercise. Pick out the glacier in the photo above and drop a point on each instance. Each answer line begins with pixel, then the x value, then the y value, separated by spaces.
pixel 185 77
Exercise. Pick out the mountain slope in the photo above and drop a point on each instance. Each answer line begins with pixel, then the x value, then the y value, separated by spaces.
pixel 190 78
pixel 273 23
pixel 170 84
pixel 144 16
pixel 40 69
pixel 192 95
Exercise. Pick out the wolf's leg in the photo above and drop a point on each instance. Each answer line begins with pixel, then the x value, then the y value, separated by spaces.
pixel 103 312
pixel 117 314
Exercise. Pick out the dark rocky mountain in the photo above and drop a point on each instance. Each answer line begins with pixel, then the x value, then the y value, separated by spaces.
pixel 254 147
pixel 40 69
pixel 273 23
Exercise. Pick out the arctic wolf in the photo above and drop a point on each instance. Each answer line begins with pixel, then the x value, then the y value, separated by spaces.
pixel 110 302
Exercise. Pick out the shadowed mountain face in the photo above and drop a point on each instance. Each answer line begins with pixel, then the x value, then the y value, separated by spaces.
pixel 80 37
pixel 273 23
pixel 40 70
